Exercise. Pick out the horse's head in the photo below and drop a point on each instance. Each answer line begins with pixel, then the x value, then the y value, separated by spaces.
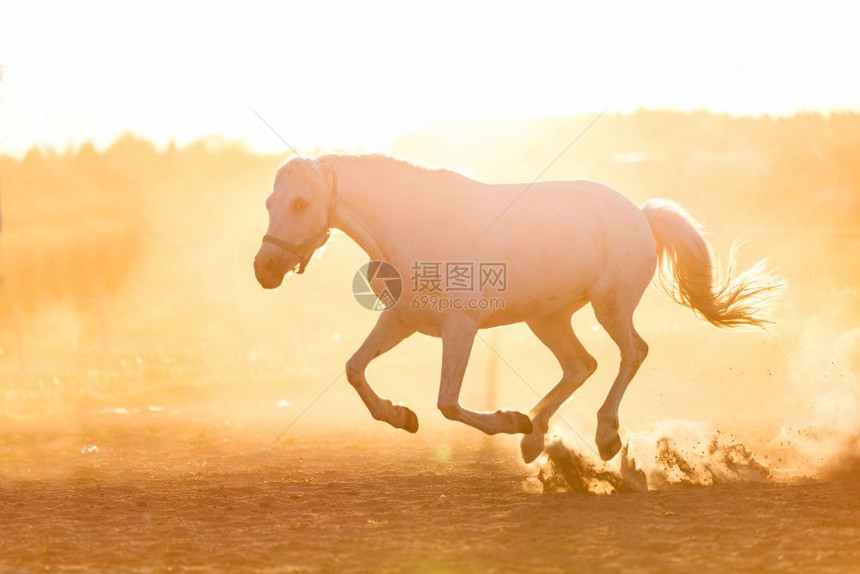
pixel 299 212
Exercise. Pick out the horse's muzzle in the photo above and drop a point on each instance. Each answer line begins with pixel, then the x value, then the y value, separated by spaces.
pixel 270 267
pixel 265 277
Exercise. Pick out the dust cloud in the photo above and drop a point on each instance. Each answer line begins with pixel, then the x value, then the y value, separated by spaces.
pixel 821 443
pixel 824 442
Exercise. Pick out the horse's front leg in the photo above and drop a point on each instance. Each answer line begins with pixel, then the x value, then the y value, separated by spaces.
pixel 458 334
pixel 386 334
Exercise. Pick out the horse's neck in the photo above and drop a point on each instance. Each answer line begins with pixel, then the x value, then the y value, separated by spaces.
pixel 349 217
pixel 372 206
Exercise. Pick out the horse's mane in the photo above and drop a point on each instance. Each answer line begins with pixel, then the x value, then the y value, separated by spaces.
pixel 390 168
pixel 375 160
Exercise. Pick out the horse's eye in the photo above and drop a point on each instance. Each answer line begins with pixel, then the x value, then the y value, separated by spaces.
pixel 299 204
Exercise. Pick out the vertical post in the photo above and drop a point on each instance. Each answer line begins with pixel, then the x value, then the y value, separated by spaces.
pixel 492 388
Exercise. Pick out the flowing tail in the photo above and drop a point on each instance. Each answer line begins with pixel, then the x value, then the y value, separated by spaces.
pixel 689 273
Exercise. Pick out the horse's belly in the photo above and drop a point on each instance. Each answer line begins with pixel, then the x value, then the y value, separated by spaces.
pixel 525 292
pixel 539 295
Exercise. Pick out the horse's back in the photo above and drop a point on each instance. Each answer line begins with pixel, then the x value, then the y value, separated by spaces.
pixel 603 214
pixel 566 240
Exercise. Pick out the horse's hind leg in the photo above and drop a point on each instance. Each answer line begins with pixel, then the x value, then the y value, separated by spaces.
pixel 577 365
pixel 614 311
pixel 387 333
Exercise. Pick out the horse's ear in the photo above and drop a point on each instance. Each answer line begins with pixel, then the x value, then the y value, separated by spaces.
pixel 314 167
pixel 326 166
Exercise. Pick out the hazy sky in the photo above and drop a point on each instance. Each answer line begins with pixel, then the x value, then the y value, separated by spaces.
pixel 360 73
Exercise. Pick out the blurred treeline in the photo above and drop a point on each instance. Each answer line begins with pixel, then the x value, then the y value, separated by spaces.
pixel 77 222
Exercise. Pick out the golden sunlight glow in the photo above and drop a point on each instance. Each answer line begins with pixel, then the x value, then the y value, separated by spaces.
pixel 160 411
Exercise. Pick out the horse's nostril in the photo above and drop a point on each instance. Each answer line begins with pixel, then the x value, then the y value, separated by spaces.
pixel 267 265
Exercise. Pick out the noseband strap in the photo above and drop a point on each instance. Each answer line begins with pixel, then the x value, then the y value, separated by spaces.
pixel 302 251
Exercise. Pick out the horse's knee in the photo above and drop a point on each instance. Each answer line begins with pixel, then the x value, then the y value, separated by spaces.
pixel 580 369
pixel 641 352
pixel 643 348
pixel 590 364
pixel 633 360
pixel 450 412
pixel 635 356
pixel 354 372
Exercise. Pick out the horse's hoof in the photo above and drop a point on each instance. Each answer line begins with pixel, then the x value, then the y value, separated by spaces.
pixel 518 423
pixel 609 444
pixel 410 422
pixel 531 446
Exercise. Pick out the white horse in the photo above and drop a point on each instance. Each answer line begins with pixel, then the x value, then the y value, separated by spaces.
pixel 563 244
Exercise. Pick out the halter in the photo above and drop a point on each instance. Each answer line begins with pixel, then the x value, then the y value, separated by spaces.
pixel 302 251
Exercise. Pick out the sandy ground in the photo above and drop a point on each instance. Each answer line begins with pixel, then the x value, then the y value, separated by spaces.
pixel 160 496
